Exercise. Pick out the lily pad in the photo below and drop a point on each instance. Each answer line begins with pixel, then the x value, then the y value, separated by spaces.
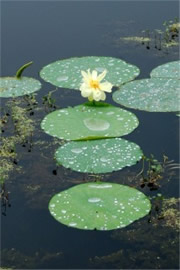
pixel 100 206
pixel 66 73
pixel 168 70
pixel 98 156
pixel 153 95
pixel 89 122
pixel 14 87
pixel 18 85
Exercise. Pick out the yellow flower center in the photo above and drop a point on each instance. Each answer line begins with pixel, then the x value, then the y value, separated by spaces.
pixel 94 84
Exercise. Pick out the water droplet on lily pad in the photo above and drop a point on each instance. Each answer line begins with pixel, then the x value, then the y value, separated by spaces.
pixel 100 156
pixel 153 95
pixel 168 70
pixel 71 70
pixel 94 208
pixel 94 200
pixel 96 124
pixel 76 150
pixel 62 78
pixel 89 122
pixel 100 69
pixel 13 87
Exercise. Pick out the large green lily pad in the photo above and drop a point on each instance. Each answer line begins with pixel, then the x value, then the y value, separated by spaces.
pixel 168 70
pixel 100 206
pixel 98 156
pixel 153 95
pixel 89 122
pixel 66 73
pixel 14 87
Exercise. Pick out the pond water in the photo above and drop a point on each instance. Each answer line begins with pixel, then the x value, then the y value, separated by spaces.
pixel 43 32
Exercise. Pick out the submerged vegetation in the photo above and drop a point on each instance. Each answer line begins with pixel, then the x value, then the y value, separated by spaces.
pixel 16 259
pixel 162 40
pixel 168 213
pixel 23 132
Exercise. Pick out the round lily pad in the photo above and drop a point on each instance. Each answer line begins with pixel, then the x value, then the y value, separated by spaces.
pixel 66 73
pixel 98 156
pixel 168 70
pixel 14 87
pixel 89 122
pixel 100 206
pixel 153 95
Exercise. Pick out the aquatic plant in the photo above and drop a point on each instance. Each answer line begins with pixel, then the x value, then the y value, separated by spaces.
pixel 16 259
pixel 98 156
pixel 167 70
pixel 158 94
pixel 100 206
pixel 23 127
pixel 168 214
pixel 151 175
pixel 18 85
pixel 159 39
pixel 89 122
pixel 92 87
pixel 66 73
pixel 48 101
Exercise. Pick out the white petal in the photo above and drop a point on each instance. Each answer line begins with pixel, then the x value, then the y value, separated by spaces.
pixel 103 96
pixel 86 92
pixel 106 86
pixel 94 75
pixel 97 95
pixel 89 74
pixel 83 86
pixel 85 76
pixel 102 75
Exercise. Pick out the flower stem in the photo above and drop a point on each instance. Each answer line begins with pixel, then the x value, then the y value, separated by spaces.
pixel 94 103
pixel 21 69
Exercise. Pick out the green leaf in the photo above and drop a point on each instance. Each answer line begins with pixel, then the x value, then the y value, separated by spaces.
pixel 66 73
pixel 168 70
pixel 14 87
pixel 98 156
pixel 89 122
pixel 21 69
pixel 153 95
pixel 100 206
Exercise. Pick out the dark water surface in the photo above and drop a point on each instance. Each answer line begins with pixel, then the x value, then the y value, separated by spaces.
pixel 43 32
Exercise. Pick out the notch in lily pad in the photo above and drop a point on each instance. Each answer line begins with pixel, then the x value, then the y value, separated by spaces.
pixel 18 85
pixel 86 122
pixel 100 206
pixel 98 156
pixel 66 73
